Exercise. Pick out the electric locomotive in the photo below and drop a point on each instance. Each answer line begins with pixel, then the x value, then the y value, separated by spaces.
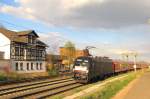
pixel 88 68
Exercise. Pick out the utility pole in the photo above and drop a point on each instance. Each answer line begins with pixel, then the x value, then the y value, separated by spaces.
pixel 135 56
pixel 126 55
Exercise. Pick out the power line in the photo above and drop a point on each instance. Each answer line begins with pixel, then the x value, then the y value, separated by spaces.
pixel 20 26
pixel 16 26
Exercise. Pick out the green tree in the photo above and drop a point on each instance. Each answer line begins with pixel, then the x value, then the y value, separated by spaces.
pixel 71 50
pixel 69 44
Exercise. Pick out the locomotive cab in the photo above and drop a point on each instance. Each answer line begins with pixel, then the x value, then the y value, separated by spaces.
pixel 81 69
pixel 87 69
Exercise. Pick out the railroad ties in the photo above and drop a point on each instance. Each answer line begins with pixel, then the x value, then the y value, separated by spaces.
pixel 38 89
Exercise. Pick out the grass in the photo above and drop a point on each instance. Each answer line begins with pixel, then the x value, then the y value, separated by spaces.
pixel 53 72
pixel 10 76
pixel 110 89
pixel 3 77
pixel 76 90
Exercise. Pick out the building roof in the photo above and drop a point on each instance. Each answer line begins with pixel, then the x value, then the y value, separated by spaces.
pixel 20 36
pixel 23 33
pixel 41 43
pixel 12 35
pixel 8 33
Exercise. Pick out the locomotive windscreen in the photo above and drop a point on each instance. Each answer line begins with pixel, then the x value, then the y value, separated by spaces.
pixel 81 62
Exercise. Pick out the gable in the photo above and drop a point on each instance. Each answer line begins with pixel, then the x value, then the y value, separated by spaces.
pixel 7 33
pixel 26 33
pixel 4 39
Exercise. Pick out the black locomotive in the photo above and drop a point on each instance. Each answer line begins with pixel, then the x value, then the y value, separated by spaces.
pixel 89 68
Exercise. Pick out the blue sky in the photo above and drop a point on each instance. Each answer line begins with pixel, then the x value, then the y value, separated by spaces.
pixel 95 23
pixel 9 2
pixel 75 35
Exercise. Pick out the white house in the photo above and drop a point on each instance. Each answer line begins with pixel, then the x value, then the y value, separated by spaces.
pixel 24 52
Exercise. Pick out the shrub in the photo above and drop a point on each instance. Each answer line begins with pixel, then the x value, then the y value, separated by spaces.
pixel 2 77
pixel 53 72
pixel 14 76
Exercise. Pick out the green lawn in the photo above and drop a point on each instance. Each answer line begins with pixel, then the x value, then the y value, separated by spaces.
pixel 110 89
pixel 90 96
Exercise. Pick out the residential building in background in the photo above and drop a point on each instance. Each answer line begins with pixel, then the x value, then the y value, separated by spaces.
pixel 69 52
pixel 24 52
pixel 72 53
pixel 68 55
pixel 81 53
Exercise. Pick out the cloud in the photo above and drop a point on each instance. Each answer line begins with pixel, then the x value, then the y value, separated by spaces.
pixel 54 40
pixel 22 12
pixel 135 42
pixel 126 18
pixel 83 13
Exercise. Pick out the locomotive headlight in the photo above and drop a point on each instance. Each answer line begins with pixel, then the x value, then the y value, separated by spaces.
pixel 87 71
pixel 81 68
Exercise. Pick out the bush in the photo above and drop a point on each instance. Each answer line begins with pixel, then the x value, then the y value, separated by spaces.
pixel 53 72
pixel 14 76
pixel 10 76
pixel 2 77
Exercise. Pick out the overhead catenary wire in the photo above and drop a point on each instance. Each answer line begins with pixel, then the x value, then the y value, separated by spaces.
pixel 20 26
pixel 12 24
pixel 16 26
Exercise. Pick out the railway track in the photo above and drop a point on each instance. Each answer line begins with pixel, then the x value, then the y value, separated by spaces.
pixel 38 90
pixel 17 85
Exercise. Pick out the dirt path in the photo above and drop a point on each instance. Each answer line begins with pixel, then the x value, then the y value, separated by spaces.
pixel 137 89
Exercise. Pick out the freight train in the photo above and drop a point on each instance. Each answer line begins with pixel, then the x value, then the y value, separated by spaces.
pixel 88 68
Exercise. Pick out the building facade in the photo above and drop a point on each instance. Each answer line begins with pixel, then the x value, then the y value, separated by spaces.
pixel 82 53
pixel 74 53
pixel 67 52
pixel 23 50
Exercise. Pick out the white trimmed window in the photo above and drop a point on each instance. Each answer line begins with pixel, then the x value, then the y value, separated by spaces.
pixel 17 66
pixel 21 66
pixel 37 66
pixel 28 68
pixel 40 66
pixel 31 66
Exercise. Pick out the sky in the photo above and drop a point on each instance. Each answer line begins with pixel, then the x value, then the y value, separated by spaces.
pixel 112 26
